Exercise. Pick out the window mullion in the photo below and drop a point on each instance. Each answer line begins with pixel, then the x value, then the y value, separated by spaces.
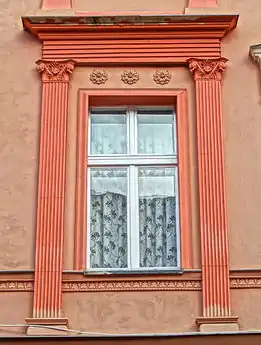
pixel 134 215
pixel 132 131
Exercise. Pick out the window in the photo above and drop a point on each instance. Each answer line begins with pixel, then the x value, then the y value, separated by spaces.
pixel 132 190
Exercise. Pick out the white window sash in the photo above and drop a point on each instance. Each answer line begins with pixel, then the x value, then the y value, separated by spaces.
pixel 133 161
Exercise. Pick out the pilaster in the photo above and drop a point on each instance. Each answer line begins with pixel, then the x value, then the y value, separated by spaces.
pixel 212 196
pixel 202 3
pixel 255 53
pixel 47 306
pixel 56 4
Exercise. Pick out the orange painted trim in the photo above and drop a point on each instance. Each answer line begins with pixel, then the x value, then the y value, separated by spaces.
pixel 127 13
pixel 150 38
pixel 202 3
pixel 107 97
pixel 184 180
pixel 212 193
pixel 51 188
pixel 57 4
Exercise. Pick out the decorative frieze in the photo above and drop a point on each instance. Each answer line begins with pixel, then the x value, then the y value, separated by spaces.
pixel 121 285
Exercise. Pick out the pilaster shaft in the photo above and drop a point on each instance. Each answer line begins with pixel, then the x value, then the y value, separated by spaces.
pixel 212 196
pixel 202 3
pixel 51 189
pixel 56 4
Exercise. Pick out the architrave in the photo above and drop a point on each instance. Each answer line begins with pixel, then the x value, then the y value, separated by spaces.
pixel 108 97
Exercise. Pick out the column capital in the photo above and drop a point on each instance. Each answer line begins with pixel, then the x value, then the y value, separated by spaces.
pixel 55 71
pixel 255 53
pixel 207 68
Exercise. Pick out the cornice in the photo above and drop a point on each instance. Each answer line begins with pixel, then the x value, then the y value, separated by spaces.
pixel 130 39
pixel 255 53
pixel 220 24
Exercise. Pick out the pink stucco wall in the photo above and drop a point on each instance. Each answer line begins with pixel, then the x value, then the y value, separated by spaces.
pixel 19 142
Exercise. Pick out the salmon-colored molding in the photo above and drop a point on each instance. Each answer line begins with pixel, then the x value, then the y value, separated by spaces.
pixel 51 189
pixel 212 194
pixel 203 3
pixel 116 40
pixel 255 53
pixel 123 97
pixel 56 4
pixel 102 285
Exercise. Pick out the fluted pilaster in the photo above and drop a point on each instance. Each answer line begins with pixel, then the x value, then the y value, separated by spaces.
pixel 202 3
pixel 51 190
pixel 56 4
pixel 212 194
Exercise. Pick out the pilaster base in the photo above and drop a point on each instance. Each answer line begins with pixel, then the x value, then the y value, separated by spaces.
pixel 218 324
pixel 47 326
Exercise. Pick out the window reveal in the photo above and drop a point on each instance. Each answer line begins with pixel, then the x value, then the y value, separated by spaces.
pixel 132 190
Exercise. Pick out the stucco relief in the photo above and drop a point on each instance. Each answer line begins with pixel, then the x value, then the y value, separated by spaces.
pixel 135 285
pixel 55 71
pixel 99 76
pixel 130 77
pixel 123 286
pixel 162 77
pixel 207 69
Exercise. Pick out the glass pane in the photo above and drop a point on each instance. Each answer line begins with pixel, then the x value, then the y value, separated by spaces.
pixel 155 132
pixel 108 218
pixel 157 217
pixel 108 133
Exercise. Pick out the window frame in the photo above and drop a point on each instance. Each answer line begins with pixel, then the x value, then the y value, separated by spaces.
pixel 120 97
pixel 132 160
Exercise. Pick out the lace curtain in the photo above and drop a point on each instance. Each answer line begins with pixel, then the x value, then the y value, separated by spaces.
pixel 157 235
pixel 157 232
pixel 108 247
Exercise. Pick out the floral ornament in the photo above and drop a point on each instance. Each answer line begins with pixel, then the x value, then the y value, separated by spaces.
pixel 130 77
pixel 207 69
pixel 55 71
pixel 162 77
pixel 99 76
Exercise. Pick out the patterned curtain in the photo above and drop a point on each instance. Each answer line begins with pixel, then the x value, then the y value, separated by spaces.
pixel 109 232
pixel 158 243
pixel 108 245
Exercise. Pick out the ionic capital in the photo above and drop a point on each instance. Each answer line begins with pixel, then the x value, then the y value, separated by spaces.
pixel 207 68
pixel 55 71
pixel 255 53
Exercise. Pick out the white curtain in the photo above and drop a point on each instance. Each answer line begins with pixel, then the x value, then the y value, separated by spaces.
pixel 158 240
pixel 108 247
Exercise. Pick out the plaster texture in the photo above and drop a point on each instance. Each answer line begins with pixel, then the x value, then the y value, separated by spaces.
pixel 130 312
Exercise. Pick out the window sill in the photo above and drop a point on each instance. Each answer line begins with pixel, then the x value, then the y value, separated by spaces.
pixel 101 281
pixel 153 272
